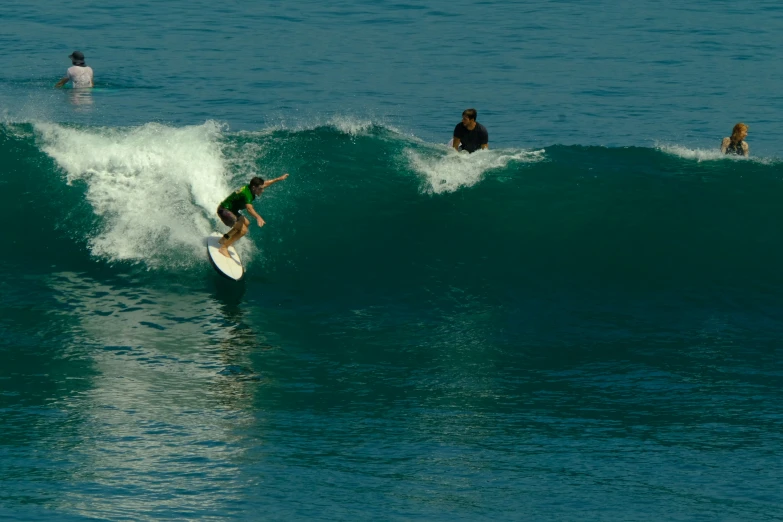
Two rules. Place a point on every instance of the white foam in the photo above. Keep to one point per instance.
(17, 130)
(447, 170)
(711, 155)
(154, 187)
(696, 154)
(351, 125)
(346, 124)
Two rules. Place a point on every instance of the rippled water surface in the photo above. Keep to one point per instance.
(581, 323)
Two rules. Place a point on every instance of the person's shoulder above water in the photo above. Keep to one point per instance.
(727, 147)
(736, 144)
(470, 135)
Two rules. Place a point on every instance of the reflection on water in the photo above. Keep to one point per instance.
(171, 384)
(230, 295)
(81, 99)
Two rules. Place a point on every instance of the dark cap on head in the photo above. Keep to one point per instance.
(77, 57)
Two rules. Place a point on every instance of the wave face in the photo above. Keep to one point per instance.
(544, 311)
(369, 210)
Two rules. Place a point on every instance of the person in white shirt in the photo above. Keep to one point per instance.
(79, 74)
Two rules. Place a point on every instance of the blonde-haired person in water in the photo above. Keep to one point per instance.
(736, 144)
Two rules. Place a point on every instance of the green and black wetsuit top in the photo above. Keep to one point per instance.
(239, 199)
(735, 148)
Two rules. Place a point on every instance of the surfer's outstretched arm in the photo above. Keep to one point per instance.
(281, 178)
(253, 213)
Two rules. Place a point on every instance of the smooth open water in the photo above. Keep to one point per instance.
(582, 323)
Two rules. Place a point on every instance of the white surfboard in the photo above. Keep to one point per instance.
(230, 267)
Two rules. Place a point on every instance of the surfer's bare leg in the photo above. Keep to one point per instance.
(236, 232)
(231, 233)
(232, 220)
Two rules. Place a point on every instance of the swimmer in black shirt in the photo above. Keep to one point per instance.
(469, 134)
(736, 144)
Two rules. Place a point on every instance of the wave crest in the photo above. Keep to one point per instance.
(151, 186)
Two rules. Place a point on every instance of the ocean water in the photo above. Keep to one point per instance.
(583, 322)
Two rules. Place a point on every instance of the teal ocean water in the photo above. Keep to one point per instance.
(583, 322)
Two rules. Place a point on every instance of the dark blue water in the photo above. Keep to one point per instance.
(583, 322)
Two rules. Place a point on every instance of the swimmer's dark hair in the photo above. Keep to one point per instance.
(470, 113)
(256, 182)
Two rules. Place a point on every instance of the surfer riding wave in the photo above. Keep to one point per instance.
(241, 199)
